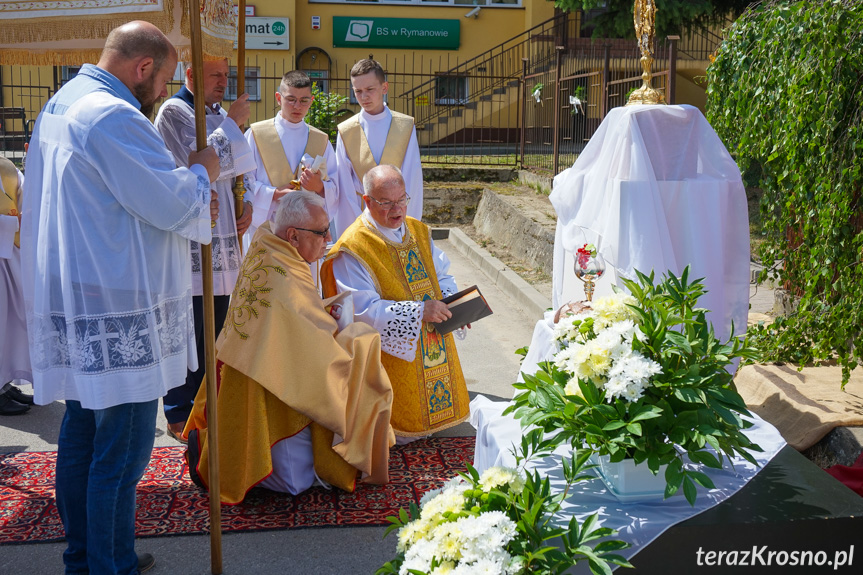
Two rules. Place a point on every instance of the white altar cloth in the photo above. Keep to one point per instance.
(655, 189)
(637, 523)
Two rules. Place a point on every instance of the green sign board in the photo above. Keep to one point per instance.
(364, 32)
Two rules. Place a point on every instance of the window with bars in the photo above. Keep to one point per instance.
(253, 84)
(451, 90)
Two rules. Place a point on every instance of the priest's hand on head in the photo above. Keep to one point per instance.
(312, 181)
(214, 205)
(209, 159)
(240, 110)
(435, 311)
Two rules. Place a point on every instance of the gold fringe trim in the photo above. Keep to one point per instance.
(428, 432)
(84, 27)
(49, 57)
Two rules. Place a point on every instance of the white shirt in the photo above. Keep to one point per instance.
(294, 138)
(176, 123)
(399, 322)
(105, 249)
(350, 204)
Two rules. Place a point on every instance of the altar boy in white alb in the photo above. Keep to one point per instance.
(176, 123)
(376, 136)
(285, 149)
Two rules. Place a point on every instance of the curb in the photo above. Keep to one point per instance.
(526, 297)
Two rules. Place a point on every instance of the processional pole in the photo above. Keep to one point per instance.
(239, 188)
(209, 321)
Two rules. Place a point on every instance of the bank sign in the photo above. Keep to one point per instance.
(422, 33)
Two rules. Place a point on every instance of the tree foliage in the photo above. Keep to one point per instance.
(672, 16)
(324, 111)
(786, 96)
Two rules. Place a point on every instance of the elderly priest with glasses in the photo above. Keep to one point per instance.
(397, 276)
(299, 399)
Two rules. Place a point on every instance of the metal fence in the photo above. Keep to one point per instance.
(481, 111)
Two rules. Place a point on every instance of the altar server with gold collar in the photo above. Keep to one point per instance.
(285, 149)
(398, 277)
(375, 136)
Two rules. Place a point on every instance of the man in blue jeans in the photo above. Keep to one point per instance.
(107, 288)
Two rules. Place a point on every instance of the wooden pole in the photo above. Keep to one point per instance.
(209, 321)
(239, 187)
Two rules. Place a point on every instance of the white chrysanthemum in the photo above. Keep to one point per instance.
(498, 476)
(451, 501)
(445, 568)
(613, 308)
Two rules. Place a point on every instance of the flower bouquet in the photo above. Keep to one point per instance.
(500, 523)
(643, 377)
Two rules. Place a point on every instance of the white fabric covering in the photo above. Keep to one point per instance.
(398, 322)
(350, 204)
(14, 351)
(655, 189)
(293, 464)
(176, 123)
(294, 138)
(638, 523)
(105, 249)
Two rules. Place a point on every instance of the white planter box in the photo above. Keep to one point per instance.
(629, 482)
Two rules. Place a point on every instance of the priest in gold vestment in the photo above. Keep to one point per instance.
(299, 400)
(397, 277)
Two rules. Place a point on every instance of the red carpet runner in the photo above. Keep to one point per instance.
(170, 504)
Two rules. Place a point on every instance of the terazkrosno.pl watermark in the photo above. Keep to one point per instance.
(763, 556)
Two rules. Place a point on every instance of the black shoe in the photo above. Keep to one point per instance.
(9, 406)
(193, 456)
(145, 562)
(19, 396)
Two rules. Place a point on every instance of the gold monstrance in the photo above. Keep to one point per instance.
(644, 15)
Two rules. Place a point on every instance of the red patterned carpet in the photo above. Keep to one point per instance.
(170, 504)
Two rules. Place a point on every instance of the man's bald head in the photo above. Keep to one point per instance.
(142, 58)
(138, 39)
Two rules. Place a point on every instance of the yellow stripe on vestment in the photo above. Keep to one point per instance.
(276, 163)
(357, 145)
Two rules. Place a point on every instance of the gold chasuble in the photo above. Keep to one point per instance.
(284, 365)
(11, 194)
(357, 146)
(430, 393)
(276, 163)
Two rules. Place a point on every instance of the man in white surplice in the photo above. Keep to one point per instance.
(14, 353)
(106, 271)
(275, 175)
(176, 123)
(390, 137)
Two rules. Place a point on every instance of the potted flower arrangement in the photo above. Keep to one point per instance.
(500, 522)
(642, 377)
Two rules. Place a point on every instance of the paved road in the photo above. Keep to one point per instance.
(490, 366)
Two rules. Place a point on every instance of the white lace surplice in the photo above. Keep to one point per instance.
(105, 249)
(350, 204)
(176, 123)
(398, 322)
